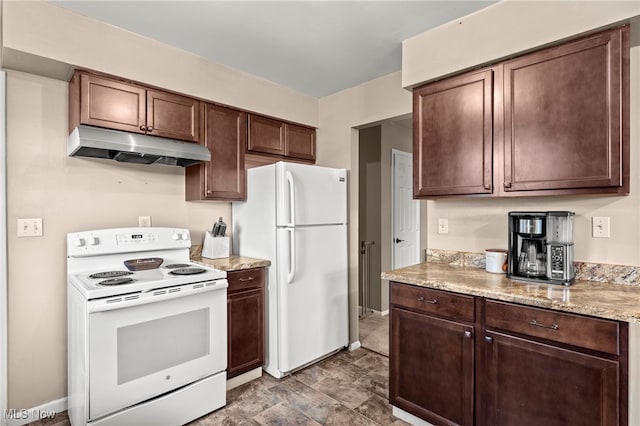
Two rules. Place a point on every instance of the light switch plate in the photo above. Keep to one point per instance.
(600, 227)
(443, 226)
(31, 227)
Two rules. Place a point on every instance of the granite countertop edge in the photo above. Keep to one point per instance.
(232, 263)
(602, 300)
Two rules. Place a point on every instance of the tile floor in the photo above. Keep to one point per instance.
(374, 333)
(349, 388)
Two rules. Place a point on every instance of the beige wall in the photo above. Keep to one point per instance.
(477, 224)
(38, 30)
(501, 30)
(72, 194)
(340, 116)
(524, 25)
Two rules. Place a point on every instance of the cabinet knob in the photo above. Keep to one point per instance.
(143, 127)
(487, 186)
(467, 334)
(149, 129)
(488, 339)
(507, 185)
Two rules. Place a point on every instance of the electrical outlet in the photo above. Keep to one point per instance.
(443, 226)
(600, 227)
(30, 227)
(144, 221)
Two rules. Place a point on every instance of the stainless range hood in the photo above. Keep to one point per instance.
(87, 141)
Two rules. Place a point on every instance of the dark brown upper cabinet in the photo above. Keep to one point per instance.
(275, 137)
(452, 139)
(563, 116)
(551, 122)
(224, 133)
(104, 102)
(300, 142)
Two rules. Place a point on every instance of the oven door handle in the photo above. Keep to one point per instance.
(154, 296)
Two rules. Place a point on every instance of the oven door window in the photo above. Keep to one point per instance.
(143, 351)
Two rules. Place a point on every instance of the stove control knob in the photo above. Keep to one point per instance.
(185, 236)
(177, 236)
(93, 241)
(79, 242)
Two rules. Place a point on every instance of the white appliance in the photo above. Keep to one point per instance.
(147, 329)
(296, 216)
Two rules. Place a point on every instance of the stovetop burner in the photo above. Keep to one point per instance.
(110, 274)
(116, 281)
(178, 265)
(187, 271)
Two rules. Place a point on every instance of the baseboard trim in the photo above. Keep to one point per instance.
(408, 417)
(353, 346)
(243, 378)
(49, 410)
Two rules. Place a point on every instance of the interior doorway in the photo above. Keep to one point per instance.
(376, 146)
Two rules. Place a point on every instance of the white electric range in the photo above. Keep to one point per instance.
(146, 328)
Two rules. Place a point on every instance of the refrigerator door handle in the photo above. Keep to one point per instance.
(292, 199)
(292, 255)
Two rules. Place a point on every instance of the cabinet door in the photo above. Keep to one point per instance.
(266, 135)
(529, 383)
(112, 104)
(563, 109)
(245, 316)
(172, 116)
(453, 136)
(431, 368)
(225, 135)
(300, 142)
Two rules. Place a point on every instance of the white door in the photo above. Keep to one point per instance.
(405, 213)
(312, 293)
(310, 195)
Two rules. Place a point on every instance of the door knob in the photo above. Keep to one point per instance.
(398, 240)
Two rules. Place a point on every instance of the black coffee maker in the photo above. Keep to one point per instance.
(541, 246)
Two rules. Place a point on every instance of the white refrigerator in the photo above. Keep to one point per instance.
(296, 216)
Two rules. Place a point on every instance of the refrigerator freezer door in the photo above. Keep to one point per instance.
(310, 195)
(312, 294)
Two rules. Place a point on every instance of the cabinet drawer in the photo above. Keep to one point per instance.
(431, 301)
(245, 279)
(590, 333)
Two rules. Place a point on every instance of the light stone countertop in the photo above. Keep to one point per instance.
(233, 263)
(602, 300)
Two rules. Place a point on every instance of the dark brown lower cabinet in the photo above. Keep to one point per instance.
(456, 361)
(531, 383)
(431, 367)
(245, 321)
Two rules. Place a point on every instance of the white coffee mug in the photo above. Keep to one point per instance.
(496, 261)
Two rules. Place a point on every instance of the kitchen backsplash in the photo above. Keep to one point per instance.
(599, 272)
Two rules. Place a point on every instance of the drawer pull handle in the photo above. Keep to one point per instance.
(246, 279)
(537, 324)
(432, 301)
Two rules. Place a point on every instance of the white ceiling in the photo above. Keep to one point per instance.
(315, 47)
